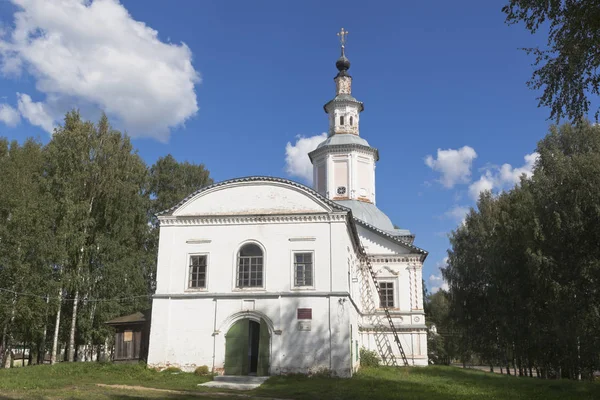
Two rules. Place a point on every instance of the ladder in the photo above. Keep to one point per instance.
(385, 349)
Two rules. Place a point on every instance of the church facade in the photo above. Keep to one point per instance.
(265, 276)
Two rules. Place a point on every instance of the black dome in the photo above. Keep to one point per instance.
(342, 64)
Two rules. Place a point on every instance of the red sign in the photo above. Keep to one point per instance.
(305, 313)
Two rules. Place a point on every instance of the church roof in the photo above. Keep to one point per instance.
(343, 138)
(343, 141)
(342, 98)
(370, 214)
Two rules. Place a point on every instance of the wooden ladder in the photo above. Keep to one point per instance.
(385, 356)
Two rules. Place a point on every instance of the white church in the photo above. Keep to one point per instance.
(265, 276)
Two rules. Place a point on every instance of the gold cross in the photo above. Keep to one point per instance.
(342, 34)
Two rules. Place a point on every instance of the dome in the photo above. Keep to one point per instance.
(370, 214)
(342, 64)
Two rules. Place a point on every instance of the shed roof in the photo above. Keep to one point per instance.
(139, 317)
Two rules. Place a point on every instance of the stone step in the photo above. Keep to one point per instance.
(241, 379)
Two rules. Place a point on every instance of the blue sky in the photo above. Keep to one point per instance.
(231, 83)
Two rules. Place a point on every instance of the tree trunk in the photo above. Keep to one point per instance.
(41, 356)
(501, 370)
(76, 297)
(30, 358)
(7, 356)
(56, 330)
(6, 345)
(71, 351)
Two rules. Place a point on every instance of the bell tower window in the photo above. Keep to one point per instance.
(342, 120)
(351, 121)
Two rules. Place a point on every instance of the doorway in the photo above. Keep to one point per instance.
(254, 338)
(247, 348)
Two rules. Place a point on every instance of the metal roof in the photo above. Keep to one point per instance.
(343, 138)
(135, 318)
(342, 98)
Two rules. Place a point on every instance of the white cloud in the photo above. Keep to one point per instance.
(485, 182)
(9, 115)
(436, 282)
(512, 176)
(457, 213)
(94, 54)
(297, 162)
(504, 177)
(453, 165)
(35, 113)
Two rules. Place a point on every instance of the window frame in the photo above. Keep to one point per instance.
(394, 291)
(293, 269)
(236, 266)
(188, 288)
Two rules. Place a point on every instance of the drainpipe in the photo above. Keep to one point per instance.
(214, 337)
(330, 290)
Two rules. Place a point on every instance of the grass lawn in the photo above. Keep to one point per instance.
(79, 381)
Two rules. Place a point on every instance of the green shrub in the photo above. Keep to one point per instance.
(202, 370)
(368, 358)
(171, 369)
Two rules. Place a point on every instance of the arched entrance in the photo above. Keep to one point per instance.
(247, 348)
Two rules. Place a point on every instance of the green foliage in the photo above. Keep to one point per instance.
(202, 370)
(568, 66)
(369, 358)
(524, 269)
(77, 223)
(171, 369)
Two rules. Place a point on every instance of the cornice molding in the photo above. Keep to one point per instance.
(344, 148)
(413, 259)
(250, 219)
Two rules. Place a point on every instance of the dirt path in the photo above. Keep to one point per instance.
(187, 392)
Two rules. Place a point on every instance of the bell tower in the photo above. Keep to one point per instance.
(344, 164)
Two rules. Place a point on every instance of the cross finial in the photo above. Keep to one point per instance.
(342, 34)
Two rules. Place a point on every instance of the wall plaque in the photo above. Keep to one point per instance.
(127, 336)
(304, 325)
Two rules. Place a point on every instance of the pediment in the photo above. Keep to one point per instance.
(378, 243)
(253, 197)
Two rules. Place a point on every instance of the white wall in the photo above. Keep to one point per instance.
(189, 325)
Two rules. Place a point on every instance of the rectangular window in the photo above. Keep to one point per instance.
(250, 271)
(303, 269)
(197, 278)
(386, 294)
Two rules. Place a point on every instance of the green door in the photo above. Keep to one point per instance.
(263, 350)
(236, 348)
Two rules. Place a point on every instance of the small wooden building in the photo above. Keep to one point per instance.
(132, 334)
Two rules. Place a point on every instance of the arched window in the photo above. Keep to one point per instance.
(250, 266)
(342, 120)
(351, 121)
